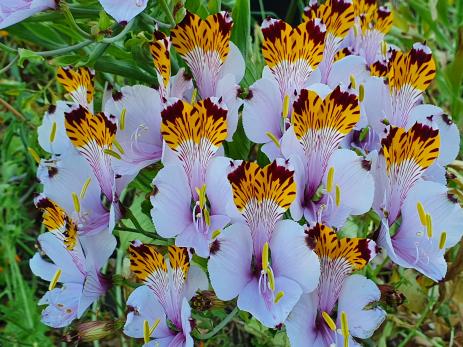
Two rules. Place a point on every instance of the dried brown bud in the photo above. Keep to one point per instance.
(206, 300)
(390, 296)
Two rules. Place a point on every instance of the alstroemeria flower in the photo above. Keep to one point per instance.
(189, 186)
(14, 11)
(169, 86)
(123, 11)
(159, 309)
(431, 224)
(291, 55)
(338, 17)
(263, 259)
(76, 263)
(332, 183)
(311, 322)
(215, 62)
(78, 83)
(405, 157)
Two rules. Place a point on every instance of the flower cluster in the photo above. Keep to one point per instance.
(339, 114)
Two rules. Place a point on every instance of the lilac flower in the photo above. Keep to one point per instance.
(311, 322)
(15, 11)
(332, 183)
(123, 11)
(216, 63)
(189, 186)
(159, 309)
(431, 224)
(262, 259)
(76, 263)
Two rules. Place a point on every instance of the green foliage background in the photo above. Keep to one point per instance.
(82, 34)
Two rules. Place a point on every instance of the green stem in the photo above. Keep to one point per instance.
(7, 49)
(414, 331)
(64, 50)
(220, 326)
(167, 11)
(147, 18)
(121, 34)
(135, 221)
(12, 62)
(262, 9)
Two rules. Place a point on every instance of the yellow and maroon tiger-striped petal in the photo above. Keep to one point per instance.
(383, 19)
(146, 261)
(415, 68)
(326, 244)
(160, 52)
(182, 122)
(179, 259)
(365, 8)
(83, 127)
(342, 53)
(379, 69)
(337, 15)
(339, 111)
(56, 220)
(273, 183)
(76, 82)
(209, 35)
(420, 144)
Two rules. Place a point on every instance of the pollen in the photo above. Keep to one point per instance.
(361, 92)
(329, 321)
(428, 225)
(285, 111)
(329, 180)
(442, 240)
(338, 195)
(75, 200)
(265, 257)
(421, 213)
(55, 279)
(353, 82)
(53, 132)
(384, 48)
(278, 297)
(85, 187)
(216, 233)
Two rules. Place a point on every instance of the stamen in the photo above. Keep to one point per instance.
(352, 81)
(329, 180)
(345, 328)
(278, 297)
(361, 92)
(53, 132)
(285, 111)
(34, 154)
(146, 331)
(443, 239)
(75, 199)
(84, 188)
(207, 216)
(194, 95)
(383, 48)
(338, 195)
(429, 225)
(112, 153)
(421, 213)
(329, 321)
(271, 279)
(265, 257)
(202, 196)
(356, 31)
(55, 280)
(216, 233)
(273, 138)
(122, 119)
(118, 146)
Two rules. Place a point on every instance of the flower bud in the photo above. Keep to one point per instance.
(97, 330)
(206, 300)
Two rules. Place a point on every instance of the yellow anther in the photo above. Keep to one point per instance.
(112, 153)
(201, 195)
(54, 280)
(329, 180)
(265, 257)
(118, 146)
(345, 328)
(271, 279)
(84, 188)
(361, 92)
(383, 48)
(207, 217)
(443, 239)
(34, 154)
(122, 119)
(285, 106)
(155, 325)
(421, 213)
(429, 225)
(338, 195)
(194, 95)
(53, 132)
(75, 199)
(278, 297)
(353, 83)
(329, 321)
(146, 331)
(273, 138)
(216, 233)
(356, 30)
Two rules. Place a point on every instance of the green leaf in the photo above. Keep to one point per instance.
(65, 60)
(25, 54)
(240, 147)
(242, 25)
(104, 22)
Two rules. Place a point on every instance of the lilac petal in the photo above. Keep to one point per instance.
(44, 269)
(251, 300)
(228, 90)
(172, 199)
(186, 325)
(262, 111)
(358, 292)
(218, 188)
(292, 258)
(54, 119)
(377, 103)
(300, 325)
(230, 261)
(181, 85)
(61, 304)
(98, 248)
(342, 70)
(143, 305)
(15, 11)
(271, 150)
(123, 10)
(234, 64)
(196, 280)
